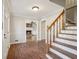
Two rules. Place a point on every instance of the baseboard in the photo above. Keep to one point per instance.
(17, 42)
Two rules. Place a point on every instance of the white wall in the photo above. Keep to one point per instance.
(59, 2)
(18, 29)
(71, 3)
(49, 20)
(71, 14)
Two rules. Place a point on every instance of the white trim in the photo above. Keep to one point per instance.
(40, 30)
(45, 28)
(17, 42)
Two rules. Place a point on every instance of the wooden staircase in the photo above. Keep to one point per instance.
(62, 39)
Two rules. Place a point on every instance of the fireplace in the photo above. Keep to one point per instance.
(29, 34)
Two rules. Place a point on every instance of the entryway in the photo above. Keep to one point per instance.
(31, 31)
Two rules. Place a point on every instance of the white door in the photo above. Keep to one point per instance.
(5, 34)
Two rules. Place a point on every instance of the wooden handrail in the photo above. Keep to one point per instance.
(57, 25)
(56, 20)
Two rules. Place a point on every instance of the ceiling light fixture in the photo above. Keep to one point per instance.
(35, 8)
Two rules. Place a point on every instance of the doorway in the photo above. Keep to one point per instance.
(43, 30)
(31, 31)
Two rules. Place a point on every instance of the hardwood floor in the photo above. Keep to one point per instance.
(29, 50)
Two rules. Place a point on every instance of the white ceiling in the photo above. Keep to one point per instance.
(24, 8)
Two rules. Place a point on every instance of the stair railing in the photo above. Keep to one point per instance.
(56, 26)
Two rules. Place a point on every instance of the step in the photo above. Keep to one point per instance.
(71, 27)
(67, 36)
(67, 45)
(64, 52)
(70, 50)
(59, 54)
(75, 40)
(53, 55)
(72, 32)
(69, 24)
(73, 43)
(48, 56)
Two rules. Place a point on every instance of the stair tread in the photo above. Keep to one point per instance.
(70, 24)
(71, 27)
(64, 52)
(67, 36)
(67, 45)
(54, 56)
(67, 39)
(73, 51)
(62, 56)
(48, 56)
(75, 29)
(71, 32)
(73, 43)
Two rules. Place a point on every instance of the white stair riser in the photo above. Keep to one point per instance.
(59, 54)
(67, 36)
(65, 48)
(67, 42)
(69, 31)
